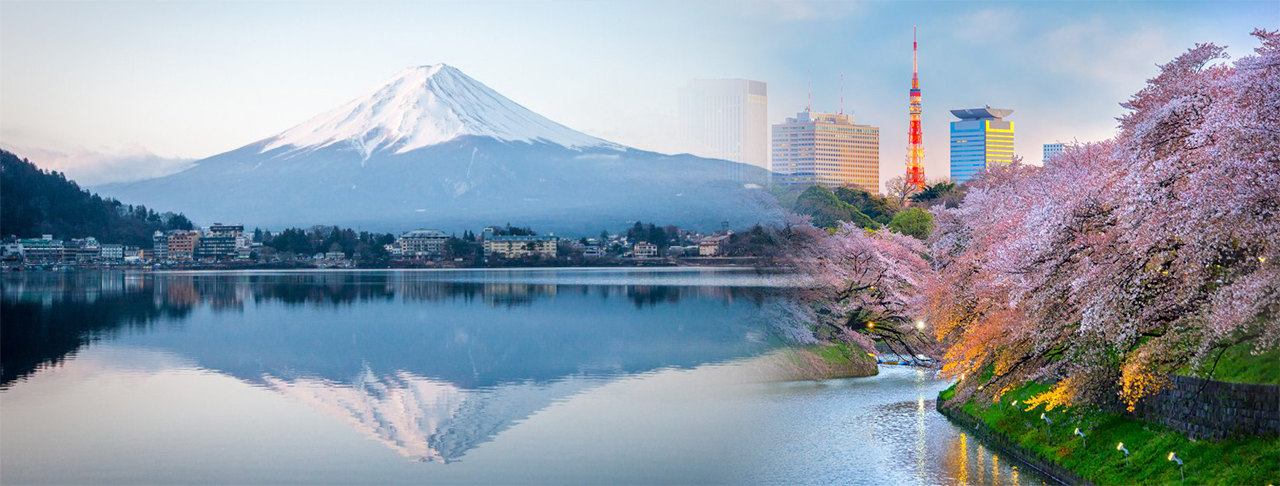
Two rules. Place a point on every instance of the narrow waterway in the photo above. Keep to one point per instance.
(529, 376)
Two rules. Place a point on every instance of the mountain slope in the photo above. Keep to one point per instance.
(35, 202)
(434, 147)
(424, 106)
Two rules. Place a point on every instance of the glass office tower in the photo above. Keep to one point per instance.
(980, 139)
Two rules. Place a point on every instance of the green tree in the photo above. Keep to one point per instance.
(877, 208)
(943, 192)
(35, 202)
(913, 222)
(828, 211)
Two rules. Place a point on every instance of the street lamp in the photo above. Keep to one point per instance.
(1120, 447)
(919, 325)
(1047, 423)
(1083, 441)
(1174, 457)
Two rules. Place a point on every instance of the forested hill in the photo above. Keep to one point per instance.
(35, 202)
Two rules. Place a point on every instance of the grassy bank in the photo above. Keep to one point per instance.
(1096, 458)
(1238, 364)
(817, 362)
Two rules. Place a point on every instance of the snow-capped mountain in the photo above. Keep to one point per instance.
(433, 147)
(424, 106)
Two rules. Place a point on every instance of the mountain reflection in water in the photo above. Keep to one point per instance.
(431, 364)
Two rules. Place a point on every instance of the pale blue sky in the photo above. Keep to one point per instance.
(192, 79)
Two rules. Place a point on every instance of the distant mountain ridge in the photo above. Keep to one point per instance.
(434, 147)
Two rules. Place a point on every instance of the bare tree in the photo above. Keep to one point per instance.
(899, 189)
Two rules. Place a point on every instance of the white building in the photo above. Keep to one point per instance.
(726, 119)
(645, 249)
(1052, 149)
(422, 243)
(11, 250)
(112, 252)
(159, 246)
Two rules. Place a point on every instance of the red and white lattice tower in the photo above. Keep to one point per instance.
(915, 147)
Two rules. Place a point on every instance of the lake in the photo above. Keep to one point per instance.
(470, 376)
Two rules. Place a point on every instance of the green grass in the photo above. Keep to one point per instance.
(1239, 461)
(1239, 365)
(840, 359)
(839, 354)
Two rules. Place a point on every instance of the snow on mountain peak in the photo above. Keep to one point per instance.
(428, 105)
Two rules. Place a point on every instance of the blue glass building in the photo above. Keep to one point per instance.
(980, 139)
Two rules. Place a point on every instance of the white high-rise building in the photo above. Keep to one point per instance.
(726, 119)
(1052, 149)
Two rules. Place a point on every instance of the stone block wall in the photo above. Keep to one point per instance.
(1206, 409)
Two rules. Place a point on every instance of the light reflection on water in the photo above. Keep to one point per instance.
(877, 430)
(562, 376)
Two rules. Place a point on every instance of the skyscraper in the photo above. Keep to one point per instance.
(827, 149)
(980, 139)
(915, 136)
(1052, 149)
(726, 119)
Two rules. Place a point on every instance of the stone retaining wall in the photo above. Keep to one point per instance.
(1206, 409)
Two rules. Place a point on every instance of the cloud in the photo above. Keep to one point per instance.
(90, 168)
(1107, 54)
(987, 26)
(793, 10)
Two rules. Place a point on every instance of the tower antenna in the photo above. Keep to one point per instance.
(915, 138)
(808, 106)
(841, 93)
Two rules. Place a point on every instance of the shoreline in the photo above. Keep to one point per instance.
(1067, 457)
(646, 268)
(656, 264)
(996, 440)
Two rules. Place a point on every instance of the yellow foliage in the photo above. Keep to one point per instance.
(1002, 392)
(1137, 382)
(1061, 394)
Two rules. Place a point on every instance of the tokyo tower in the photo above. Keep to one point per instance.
(915, 150)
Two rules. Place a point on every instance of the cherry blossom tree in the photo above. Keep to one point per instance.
(864, 285)
(1119, 262)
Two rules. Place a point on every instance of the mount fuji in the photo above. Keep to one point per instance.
(433, 147)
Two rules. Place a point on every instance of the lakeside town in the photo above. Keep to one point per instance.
(220, 246)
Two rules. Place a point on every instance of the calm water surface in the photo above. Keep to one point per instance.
(519, 376)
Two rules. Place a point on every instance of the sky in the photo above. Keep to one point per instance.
(115, 91)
